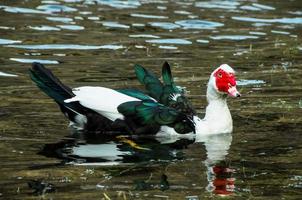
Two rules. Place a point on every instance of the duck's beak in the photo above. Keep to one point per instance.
(233, 92)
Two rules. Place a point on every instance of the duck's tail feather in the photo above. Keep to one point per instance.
(80, 116)
(50, 84)
(55, 89)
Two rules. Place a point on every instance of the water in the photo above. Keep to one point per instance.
(88, 42)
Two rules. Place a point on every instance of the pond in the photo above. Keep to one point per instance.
(97, 43)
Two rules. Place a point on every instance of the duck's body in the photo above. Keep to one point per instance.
(163, 111)
(103, 109)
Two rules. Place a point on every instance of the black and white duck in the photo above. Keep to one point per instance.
(163, 109)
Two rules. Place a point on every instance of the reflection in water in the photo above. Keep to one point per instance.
(115, 150)
(134, 150)
(219, 174)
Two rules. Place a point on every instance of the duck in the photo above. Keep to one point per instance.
(162, 110)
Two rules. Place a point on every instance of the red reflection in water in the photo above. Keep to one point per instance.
(222, 181)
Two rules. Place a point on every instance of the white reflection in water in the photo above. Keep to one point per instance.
(219, 174)
(108, 151)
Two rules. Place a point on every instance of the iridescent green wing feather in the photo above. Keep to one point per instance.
(173, 96)
(150, 81)
(149, 112)
(135, 93)
(168, 93)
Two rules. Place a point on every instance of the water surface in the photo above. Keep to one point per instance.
(87, 42)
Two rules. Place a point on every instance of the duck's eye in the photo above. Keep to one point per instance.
(219, 75)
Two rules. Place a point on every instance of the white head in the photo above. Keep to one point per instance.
(223, 81)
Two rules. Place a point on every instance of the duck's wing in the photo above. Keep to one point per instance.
(149, 112)
(152, 84)
(168, 93)
(136, 94)
(174, 96)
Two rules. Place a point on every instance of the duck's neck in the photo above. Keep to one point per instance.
(218, 118)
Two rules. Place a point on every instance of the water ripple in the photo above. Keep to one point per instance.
(60, 19)
(233, 37)
(244, 82)
(6, 41)
(164, 25)
(21, 10)
(257, 33)
(148, 16)
(115, 25)
(280, 32)
(116, 3)
(264, 7)
(228, 5)
(44, 28)
(296, 20)
(167, 47)
(27, 60)
(198, 24)
(71, 27)
(143, 36)
(169, 41)
(202, 41)
(7, 75)
(56, 8)
(66, 46)
(251, 8)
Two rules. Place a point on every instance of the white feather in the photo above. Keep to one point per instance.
(102, 100)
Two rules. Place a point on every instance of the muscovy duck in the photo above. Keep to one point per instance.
(166, 111)
(100, 109)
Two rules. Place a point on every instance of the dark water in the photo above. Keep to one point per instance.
(97, 43)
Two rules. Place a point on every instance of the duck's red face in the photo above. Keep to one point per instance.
(226, 83)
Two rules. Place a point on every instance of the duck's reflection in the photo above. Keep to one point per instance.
(124, 150)
(115, 150)
(219, 174)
